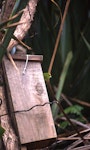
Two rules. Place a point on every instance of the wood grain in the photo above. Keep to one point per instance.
(24, 92)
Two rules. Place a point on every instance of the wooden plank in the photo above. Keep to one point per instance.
(24, 92)
(35, 58)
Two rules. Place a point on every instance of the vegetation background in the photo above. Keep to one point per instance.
(72, 80)
(70, 69)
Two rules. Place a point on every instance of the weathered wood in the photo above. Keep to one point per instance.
(27, 91)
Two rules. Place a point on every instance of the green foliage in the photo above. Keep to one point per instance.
(64, 124)
(74, 109)
(62, 80)
(2, 130)
(85, 41)
(75, 79)
(47, 76)
(77, 21)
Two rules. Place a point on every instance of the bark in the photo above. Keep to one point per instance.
(10, 140)
(7, 9)
(27, 18)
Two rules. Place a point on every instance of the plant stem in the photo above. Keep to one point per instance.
(58, 36)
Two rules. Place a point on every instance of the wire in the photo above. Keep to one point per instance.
(22, 111)
(25, 67)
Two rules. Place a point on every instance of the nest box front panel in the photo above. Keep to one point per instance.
(27, 95)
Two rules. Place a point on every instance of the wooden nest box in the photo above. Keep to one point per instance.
(28, 101)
